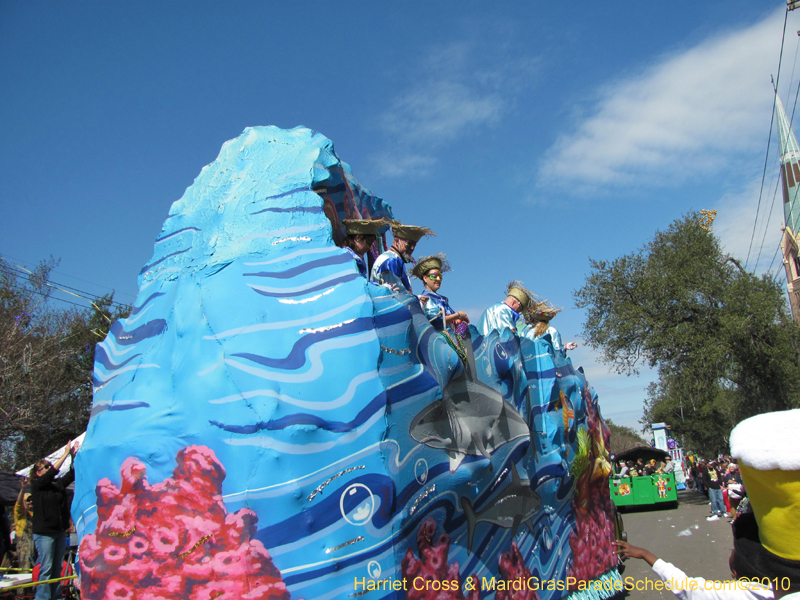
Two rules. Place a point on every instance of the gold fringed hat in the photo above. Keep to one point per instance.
(362, 226)
(412, 233)
(767, 447)
(426, 263)
(541, 311)
(515, 289)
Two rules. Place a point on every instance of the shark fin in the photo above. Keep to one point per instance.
(455, 460)
(515, 480)
(472, 521)
(529, 523)
(515, 525)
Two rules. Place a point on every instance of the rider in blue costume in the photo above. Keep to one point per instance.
(506, 314)
(361, 235)
(429, 269)
(390, 267)
(538, 318)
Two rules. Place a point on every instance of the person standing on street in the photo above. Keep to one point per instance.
(713, 482)
(50, 520)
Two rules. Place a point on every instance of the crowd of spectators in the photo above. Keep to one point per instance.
(719, 480)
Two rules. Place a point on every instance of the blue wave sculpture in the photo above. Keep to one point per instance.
(266, 424)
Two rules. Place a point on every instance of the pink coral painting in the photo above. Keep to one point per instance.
(175, 539)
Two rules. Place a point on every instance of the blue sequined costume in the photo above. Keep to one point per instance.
(360, 264)
(558, 345)
(433, 309)
(498, 317)
(389, 267)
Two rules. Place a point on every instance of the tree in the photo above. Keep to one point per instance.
(721, 338)
(46, 364)
(623, 438)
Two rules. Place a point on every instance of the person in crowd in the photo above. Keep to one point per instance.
(361, 235)
(5, 538)
(713, 483)
(732, 481)
(538, 319)
(669, 466)
(506, 314)
(698, 478)
(682, 584)
(390, 267)
(23, 525)
(50, 520)
(765, 541)
(624, 470)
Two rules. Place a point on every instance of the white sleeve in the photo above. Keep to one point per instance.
(697, 588)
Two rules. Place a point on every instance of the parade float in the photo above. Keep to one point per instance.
(267, 424)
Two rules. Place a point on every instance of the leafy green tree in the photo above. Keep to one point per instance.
(722, 340)
(46, 365)
(623, 438)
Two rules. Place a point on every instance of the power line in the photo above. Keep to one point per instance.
(26, 275)
(2, 255)
(769, 139)
(766, 224)
(773, 259)
(49, 297)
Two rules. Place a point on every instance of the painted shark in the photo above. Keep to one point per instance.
(516, 504)
(470, 418)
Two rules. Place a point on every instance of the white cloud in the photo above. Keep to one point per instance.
(454, 89)
(736, 213)
(398, 163)
(680, 117)
(440, 110)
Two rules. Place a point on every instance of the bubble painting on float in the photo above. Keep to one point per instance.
(269, 424)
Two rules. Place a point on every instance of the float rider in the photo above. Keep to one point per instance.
(361, 235)
(506, 314)
(449, 323)
(389, 267)
(429, 270)
(538, 324)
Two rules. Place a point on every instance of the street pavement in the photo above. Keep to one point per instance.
(704, 553)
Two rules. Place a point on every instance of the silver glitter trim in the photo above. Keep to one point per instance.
(398, 352)
(348, 543)
(339, 474)
(302, 238)
(326, 328)
(421, 497)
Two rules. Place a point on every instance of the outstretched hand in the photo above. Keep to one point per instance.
(626, 550)
(570, 345)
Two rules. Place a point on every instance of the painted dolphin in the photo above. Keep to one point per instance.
(517, 504)
(470, 418)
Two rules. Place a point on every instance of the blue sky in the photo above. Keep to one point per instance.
(530, 136)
